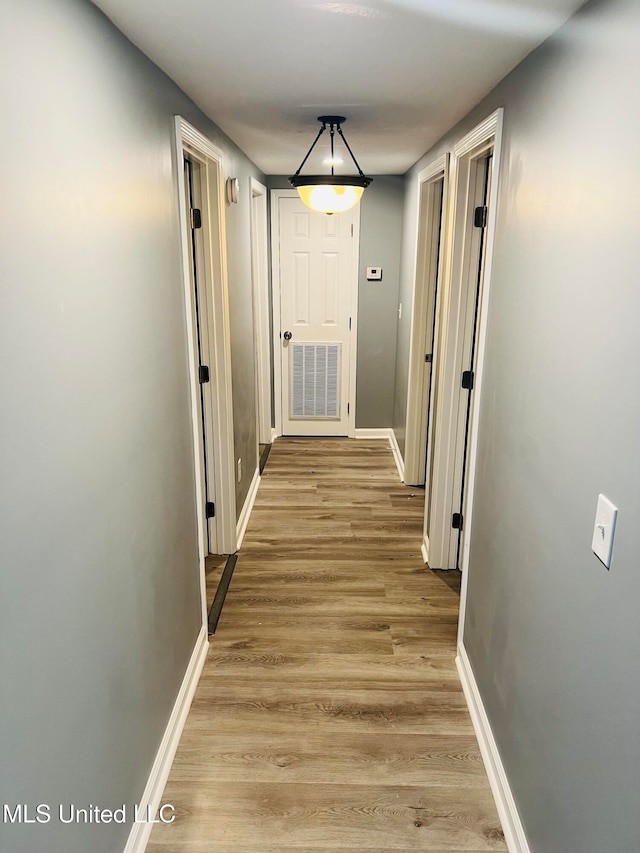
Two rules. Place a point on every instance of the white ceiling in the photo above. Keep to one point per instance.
(402, 71)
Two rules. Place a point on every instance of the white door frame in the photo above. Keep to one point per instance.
(276, 195)
(189, 141)
(260, 288)
(429, 251)
(437, 545)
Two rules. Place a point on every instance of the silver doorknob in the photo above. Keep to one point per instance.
(287, 336)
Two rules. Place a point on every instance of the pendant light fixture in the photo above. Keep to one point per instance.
(330, 193)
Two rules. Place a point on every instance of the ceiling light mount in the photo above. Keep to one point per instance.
(330, 193)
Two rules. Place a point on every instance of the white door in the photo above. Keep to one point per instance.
(480, 191)
(318, 278)
(448, 487)
(200, 308)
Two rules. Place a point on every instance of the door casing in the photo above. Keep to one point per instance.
(219, 410)
(430, 251)
(276, 195)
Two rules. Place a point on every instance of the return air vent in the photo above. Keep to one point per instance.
(315, 381)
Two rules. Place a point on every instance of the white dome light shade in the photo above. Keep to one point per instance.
(330, 199)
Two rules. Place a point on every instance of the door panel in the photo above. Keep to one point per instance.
(480, 186)
(318, 275)
(196, 267)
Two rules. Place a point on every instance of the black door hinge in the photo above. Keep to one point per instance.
(428, 358)
(456, 521)
(467, 379)
(211, 509)
(196, 218)
(203, 374)
(480, 217)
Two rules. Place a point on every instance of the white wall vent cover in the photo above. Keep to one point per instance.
(315, 380)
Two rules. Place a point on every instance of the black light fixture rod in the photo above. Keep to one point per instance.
(332, 158)
(320, 132)
(350, 151)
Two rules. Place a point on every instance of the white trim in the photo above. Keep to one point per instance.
(494, 123)
(416, 440)
(152, 796)
(382, 432)
(274, 434)
(513, 829)
(393, 441)
(424, 548)
(353, 337)
(245, 514)
(260, 291)
(190, 140)
(389, 434)
(451, 341)
(276, 195)
(196, 423)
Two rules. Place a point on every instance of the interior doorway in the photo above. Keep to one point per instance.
(470, 224)
(315, 291)
(423, 356)
(480, 185)
(202, 230)
(192, 174)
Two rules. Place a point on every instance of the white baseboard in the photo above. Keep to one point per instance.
(389, 434)
(383, 432)
(274, 434)
(393, 441)
(245, 515)
(424, 549)
(514, 835)
(150, 801)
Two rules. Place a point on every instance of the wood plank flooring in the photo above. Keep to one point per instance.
(329, 716)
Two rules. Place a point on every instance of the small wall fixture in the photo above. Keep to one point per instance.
(330, 193)
(233, 190)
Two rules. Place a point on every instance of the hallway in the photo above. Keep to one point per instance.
(329, 715)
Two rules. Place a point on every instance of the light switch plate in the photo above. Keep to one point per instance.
(374, 273)
(604, 530)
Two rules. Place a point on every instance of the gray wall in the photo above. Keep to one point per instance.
(238, 222)
(553, 637)
(99, 571)
(380, 232)
(381, 211)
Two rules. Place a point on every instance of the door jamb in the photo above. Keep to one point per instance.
(188, 140)
(260, 287)
(276, 195)
(418, 433)
(487, 134)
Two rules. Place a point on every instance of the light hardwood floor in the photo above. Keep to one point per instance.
(330, 716)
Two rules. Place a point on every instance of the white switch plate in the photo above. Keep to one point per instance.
(604, 530)
(374, 273)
